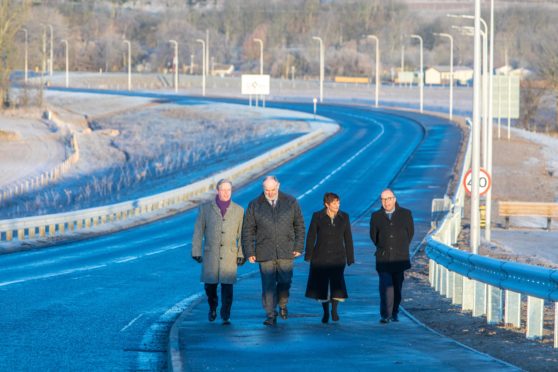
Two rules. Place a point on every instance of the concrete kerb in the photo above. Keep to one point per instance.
(321, 129)
(174, 357)
(415, 320)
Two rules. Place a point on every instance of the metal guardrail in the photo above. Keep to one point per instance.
(33, 183)
(59, 224)
(486, 286)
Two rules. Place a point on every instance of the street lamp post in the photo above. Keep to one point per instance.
(421, 75)
(51, 49)
(175, 64)
(488, 228)
(402, 38)
(475, 198)
(203, 64)
(43, 62)
(485, 93)
(26, 66)
(206, 64)
(319, 39)
(377, 90)
(65, 42)
(477, 33)
(127, 42)
(260, 41)
(451, 72)
(486, 90)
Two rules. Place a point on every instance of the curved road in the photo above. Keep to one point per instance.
(108, 303)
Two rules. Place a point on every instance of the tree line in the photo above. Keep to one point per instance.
(95, 31)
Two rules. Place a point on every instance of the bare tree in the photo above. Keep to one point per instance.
(547, 66)
(12, 14)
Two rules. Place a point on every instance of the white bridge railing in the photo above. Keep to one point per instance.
(486, 286)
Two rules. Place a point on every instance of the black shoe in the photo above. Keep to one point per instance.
(226, 321)
(212, 315)
(284, 312)
(385, 320)
(394, 318)
(270, 321)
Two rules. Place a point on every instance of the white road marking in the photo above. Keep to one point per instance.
(126, 259)
(92, 267)
(51, 275)
(131, 322)
(344, 163)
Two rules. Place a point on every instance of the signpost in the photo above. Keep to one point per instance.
(505, 99)
(255, 85)
(315, 100)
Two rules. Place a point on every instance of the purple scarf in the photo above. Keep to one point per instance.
(223, 205)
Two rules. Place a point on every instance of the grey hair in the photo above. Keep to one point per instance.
(388, 189)
(270, 177)
(222, 181)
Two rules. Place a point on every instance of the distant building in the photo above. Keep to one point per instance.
(440, 75)
(222, 70)
(503, 70)
(522, 72)
(405, 77)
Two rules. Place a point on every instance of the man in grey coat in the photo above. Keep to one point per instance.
(218, 229)
(273, 235)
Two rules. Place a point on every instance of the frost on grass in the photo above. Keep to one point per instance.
(156, 149)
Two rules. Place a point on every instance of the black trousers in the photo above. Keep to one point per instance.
(226, 298)
(390, 292)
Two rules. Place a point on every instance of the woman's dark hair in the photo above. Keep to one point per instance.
(330, 197)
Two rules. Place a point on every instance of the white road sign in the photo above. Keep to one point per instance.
(505, 97)
(484, 181)
(255, 84)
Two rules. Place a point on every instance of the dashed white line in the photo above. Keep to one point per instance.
(344, 163)
(131, 322)
(91, 267)
(65, 272)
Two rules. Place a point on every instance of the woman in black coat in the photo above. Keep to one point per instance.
(329, 247)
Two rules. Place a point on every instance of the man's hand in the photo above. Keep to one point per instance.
(198, 259)
(252, 259)
(296, 254)
(240, 261)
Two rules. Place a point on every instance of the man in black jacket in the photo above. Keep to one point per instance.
(391, 231)
(273, 235)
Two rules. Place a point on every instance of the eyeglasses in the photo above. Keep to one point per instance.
(388, 198)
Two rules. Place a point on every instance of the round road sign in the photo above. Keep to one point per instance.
(484, 181)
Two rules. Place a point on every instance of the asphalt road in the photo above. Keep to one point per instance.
(108, 303)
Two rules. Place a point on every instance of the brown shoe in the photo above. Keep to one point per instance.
(284, 312)
(270, 321)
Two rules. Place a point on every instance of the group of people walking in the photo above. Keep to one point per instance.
(271, 232)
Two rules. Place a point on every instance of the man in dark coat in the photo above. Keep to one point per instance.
(273, 235)
(391, 231)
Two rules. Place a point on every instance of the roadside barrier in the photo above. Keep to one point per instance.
(485, 286)
(43, 179)
(57, 225)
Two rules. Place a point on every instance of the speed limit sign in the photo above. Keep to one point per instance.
(484, 181)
